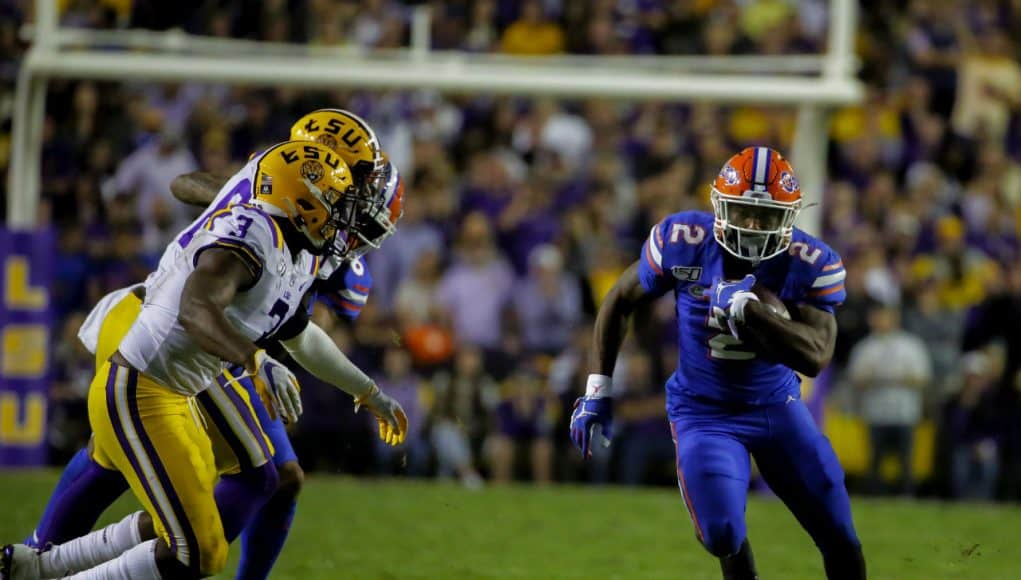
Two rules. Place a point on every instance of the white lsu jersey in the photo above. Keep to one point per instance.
(158, 346)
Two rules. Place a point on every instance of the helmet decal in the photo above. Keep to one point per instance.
(327, 140)
(311, 186)
(730, 175)
(789, 183)
(312, 170)
(756, 199)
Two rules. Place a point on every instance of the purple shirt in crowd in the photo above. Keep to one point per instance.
(547, 321)
(475, 297)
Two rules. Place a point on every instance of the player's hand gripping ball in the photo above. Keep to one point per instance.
(729, 299)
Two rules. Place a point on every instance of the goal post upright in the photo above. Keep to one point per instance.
(808, 152)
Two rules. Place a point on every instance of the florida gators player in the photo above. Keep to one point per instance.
(255, 260)
(735, 392)
(86, 489)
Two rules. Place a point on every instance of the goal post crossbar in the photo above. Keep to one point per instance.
(466, 77)
(813, 84)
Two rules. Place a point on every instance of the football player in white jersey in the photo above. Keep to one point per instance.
(247, 441)
(233, 282)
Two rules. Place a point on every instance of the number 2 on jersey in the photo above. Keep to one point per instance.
(725, 346)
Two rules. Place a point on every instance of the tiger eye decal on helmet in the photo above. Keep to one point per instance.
(311, 186)
(756, 198)
(312, 170)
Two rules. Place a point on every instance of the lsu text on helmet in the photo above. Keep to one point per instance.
(346, 134)
(311, 186)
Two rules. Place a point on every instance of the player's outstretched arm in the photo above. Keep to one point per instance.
(805, 343)
(197, 188)
(314, 350)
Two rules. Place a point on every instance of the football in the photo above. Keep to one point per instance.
(771, 300)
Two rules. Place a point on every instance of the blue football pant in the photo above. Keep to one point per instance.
(793, 456)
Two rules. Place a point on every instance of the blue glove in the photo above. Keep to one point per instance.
(590, 412)
(729, 299)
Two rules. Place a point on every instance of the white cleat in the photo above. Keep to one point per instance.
(19, 562)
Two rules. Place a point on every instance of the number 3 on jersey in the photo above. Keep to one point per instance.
(279, 311)
(723, 345)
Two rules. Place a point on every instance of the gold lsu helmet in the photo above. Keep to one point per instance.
(311, 186)
(346, 134)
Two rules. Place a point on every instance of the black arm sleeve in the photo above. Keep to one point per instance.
(292, 327)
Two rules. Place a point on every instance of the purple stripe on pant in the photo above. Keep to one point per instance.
(122, 438)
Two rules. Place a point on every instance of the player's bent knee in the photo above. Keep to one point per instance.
(292, 478)
(723, 537)
(269, 477)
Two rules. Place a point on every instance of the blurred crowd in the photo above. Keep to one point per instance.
(521, 213)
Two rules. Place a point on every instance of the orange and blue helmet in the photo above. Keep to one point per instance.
(756, 198)
(377, 212)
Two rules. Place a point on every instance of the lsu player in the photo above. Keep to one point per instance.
(237, 280)
(735, 393)
(86, 489)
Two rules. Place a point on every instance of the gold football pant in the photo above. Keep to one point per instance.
(238, 439)
(149, 434)
(153, 437)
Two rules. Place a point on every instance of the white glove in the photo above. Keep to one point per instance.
(737, 304)
(393, 422)
(277, 386)
(734, 315)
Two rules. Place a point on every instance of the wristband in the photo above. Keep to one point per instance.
(598, 386)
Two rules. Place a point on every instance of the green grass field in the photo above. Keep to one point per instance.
(366, 529)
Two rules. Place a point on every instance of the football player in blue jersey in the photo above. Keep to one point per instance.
(85, 489)
(735, 393)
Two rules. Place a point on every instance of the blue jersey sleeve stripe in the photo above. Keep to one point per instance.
(830, 279)
(826, 291)
(352, 296)
(342, 308)
(651, 259)
(349, 306)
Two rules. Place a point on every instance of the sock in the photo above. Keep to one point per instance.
(264, 538)
(84, 491)
(240, 496)
(138, 563)
(91, 549)
(740, 566)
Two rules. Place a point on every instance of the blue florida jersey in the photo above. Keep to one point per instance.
(682, 255)
(346, 289)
